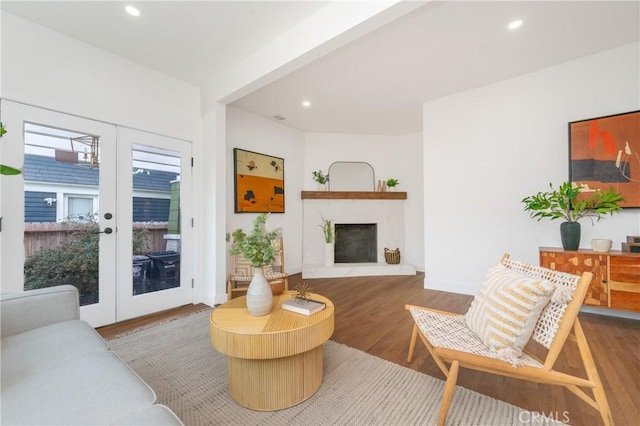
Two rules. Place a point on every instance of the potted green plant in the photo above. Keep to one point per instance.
(570, 203)
(329, 240)
(321, 178)
(6, 170)
(327, 230)
(258, 248)
(392, 183)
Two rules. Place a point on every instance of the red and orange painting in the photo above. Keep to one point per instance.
(605, 152)
(259, 182)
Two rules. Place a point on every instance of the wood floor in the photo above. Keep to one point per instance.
(370, 316)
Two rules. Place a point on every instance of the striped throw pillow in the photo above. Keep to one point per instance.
(505, 311)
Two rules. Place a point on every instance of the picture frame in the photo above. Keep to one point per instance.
(605, 152)
(258, 182)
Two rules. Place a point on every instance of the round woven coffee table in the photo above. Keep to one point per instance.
(275, 361)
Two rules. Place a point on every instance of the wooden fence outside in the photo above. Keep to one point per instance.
(45, 236)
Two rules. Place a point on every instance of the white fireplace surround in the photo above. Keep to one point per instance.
(387, 214)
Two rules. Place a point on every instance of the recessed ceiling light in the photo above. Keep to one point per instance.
(132, 11)
(515, 24)
(306, 104)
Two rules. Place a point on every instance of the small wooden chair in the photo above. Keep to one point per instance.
(242, 273)
(449, 341)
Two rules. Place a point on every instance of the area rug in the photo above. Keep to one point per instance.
(176, 359)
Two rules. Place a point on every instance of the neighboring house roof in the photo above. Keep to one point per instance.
(46, 169)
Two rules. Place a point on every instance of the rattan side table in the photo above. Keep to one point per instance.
(275, 361)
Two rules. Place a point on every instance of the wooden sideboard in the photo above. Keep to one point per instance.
(616, 275)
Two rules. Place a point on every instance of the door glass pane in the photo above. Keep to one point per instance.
(156, 219)
(61, 242)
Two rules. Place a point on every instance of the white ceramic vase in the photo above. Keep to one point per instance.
(259, 294)
(329, 255)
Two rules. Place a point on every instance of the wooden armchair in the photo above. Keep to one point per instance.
(452, 344)
(242, 273)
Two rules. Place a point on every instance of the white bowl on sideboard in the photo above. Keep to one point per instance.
(601, 245)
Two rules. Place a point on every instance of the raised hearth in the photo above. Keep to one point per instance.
(342, 270)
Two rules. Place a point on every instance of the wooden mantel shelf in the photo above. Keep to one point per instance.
(353, 195)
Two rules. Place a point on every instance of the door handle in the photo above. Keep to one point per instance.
(106, 231)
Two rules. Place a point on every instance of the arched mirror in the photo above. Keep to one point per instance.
(351, 176)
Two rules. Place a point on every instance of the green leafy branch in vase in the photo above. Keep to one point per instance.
(257, 246)
(327, 230)
(572, 203)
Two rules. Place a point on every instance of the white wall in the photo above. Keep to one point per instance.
(48, 69)
(211, 219)
(251, 132)
(486, 149)
(412, 181)
(390, 156)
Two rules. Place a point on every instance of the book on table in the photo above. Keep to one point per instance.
(303, 306)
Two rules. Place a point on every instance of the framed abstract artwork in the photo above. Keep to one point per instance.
(258, 183)
(604, 152)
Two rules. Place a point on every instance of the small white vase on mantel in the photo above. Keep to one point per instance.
(259, 294)
(329, 254)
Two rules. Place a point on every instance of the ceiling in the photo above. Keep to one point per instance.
(375, 85)
(190, 40)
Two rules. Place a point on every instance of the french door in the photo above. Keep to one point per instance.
(157, 276)
(97, 204)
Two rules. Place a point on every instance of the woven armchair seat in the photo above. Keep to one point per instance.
(450, 332)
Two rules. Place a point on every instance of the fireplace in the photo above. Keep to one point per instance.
(356, 242)
(382, 213)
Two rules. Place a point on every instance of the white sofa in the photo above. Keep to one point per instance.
(57, 370)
